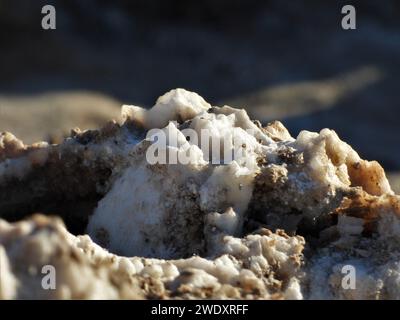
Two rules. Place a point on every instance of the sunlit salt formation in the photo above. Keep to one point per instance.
(213, 227)
(159, 210)
(87, 271)
(176, 104)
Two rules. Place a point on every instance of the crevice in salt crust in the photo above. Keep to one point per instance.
(198, 230)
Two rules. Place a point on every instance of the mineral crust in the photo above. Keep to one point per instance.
(277, 220)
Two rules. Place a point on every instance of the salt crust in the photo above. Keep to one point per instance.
(202, 230)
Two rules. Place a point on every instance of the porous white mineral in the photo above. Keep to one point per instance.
(189, 200)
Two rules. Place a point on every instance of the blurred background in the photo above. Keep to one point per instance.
(285, 60)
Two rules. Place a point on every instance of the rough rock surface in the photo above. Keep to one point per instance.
(277, 220)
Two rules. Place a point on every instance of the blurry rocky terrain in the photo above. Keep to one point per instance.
(283, 60)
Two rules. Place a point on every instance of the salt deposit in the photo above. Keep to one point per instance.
(277, 220)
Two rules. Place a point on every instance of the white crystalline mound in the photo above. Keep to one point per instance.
(87, 271)
(200, 228)
(175, 104)
(150, 202)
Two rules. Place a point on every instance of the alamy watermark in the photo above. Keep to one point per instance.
(349, 278)
(348, 21)
(49, 18)
(49, 279)
(173, 147)
(349, 18)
